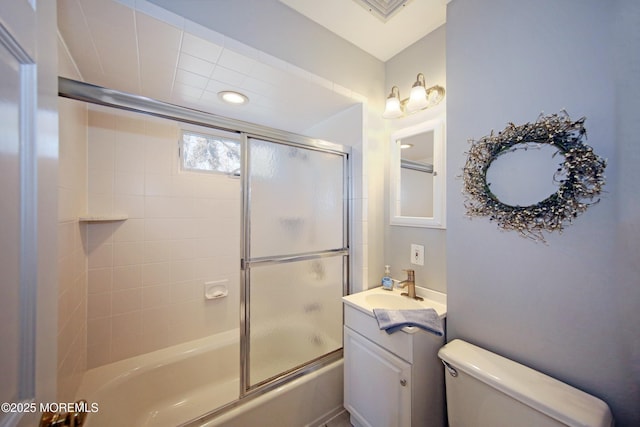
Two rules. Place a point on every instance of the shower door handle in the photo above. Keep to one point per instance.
(279, 259)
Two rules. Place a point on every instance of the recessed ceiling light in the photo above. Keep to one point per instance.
(404, 146)
(231, 97)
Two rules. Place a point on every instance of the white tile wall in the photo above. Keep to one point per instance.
(146, 274)
(72, 261)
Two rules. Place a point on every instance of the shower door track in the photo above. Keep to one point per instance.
(81, 91)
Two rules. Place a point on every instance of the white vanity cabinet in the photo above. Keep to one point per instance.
(376, 384)
(391, 380)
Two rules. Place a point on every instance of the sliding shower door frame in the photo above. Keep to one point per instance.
(85, 92)
(248, 261)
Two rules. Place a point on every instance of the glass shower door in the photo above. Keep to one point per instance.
(295, 260)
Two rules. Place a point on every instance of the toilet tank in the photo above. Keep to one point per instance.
(487, 390)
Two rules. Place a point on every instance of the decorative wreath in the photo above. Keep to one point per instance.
(580, 176)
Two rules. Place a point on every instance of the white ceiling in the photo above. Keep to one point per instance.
(140, 48)
(353, 22)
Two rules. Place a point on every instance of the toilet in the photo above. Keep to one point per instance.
(484, 389)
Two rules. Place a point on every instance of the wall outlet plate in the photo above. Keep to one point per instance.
(417, 254)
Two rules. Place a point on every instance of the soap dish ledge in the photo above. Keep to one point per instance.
(102, 218)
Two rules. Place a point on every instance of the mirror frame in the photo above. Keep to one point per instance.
(439, 179)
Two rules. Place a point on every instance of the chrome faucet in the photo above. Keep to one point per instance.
(410, 284)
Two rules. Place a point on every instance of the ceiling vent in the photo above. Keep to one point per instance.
(383, 9)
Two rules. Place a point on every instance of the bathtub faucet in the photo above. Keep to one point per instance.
(410, 284)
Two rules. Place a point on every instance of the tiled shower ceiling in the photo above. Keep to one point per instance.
(149, 51)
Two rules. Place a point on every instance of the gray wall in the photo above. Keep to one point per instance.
(427, 56)
(571, 308)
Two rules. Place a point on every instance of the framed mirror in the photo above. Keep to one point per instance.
(417, 175)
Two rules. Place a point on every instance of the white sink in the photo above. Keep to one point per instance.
(393, 300)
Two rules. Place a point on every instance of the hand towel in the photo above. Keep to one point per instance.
(394, 320)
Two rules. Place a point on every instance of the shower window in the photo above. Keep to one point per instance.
(209, 153)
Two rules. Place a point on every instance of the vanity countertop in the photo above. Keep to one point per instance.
(378, 297)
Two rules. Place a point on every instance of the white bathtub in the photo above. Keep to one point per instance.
(171, 386)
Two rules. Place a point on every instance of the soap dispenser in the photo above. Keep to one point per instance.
(387, 281)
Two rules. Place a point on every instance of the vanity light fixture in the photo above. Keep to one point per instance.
(232, 97)
(420, 98)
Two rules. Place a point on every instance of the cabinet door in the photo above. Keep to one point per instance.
(377, 388)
